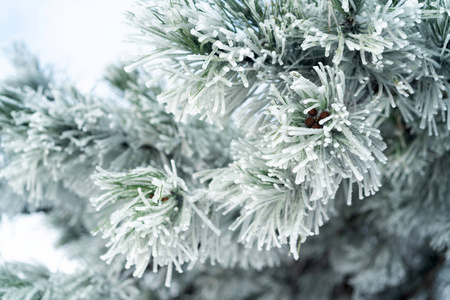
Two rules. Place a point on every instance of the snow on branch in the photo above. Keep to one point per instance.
(150, 217)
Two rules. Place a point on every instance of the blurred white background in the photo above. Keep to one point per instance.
(79, 37)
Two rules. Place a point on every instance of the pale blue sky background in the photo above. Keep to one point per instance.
(79, 37)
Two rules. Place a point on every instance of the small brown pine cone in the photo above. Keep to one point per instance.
(310, 121)
(312, 112)
(324, 115)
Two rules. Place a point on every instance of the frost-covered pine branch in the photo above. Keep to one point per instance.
(287, 183)
(59, 131)
(27, 281)
(218, 53)
(155, 218)
(308, 101)
(319, 82)
(321, 134)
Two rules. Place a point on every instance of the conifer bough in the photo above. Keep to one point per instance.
(274, 112)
